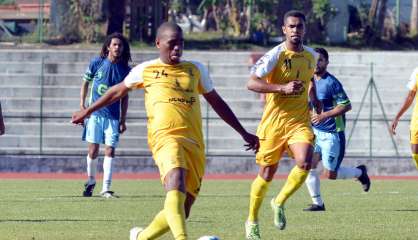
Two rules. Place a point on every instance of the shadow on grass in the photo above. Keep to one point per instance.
(406, 210)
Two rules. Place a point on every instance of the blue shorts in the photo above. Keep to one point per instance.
(331, 147)
(101, 130)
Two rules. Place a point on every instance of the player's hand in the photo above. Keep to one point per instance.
(253, 143)
(122, 127)
(318, 118)
(78, 117)
(293, 87)
(393, 126)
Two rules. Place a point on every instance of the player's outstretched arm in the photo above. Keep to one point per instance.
(223, 110)
(257, 84)
(406, 104)
(113, 94)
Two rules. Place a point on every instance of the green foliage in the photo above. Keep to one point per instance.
(323, 10)
(7, 2)
(55, 210)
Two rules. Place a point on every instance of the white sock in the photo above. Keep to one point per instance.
(91, 169)
(348, 173)
(107, 173)
(314, 187)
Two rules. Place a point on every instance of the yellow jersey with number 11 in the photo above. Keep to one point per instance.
(285, 113)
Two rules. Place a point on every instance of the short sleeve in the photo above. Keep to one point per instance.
(338, 93)
(266, 63)
(91, 70)
(134, 79)
(206, 84)
(412, 83)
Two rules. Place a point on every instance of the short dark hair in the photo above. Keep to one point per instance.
(168, 26)
(294, 13)
(126, 54)
(323, 52)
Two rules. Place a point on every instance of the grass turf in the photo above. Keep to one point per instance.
(54, 209)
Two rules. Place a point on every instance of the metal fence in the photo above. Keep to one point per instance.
(216, 144)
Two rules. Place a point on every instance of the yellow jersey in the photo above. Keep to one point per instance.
(285, 113)
(413, 85)
(172, 99)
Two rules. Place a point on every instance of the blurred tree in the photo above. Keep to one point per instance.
(414, 18)
(115, 16)
(376, 19)
(63, 26)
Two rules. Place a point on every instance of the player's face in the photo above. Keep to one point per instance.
(294, 30)
(115, 48)
(321, 65)
(171, 45)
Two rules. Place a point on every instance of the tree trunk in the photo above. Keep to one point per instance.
(248, 13)
(116, 10)
(414, 18)
(381, 18)
(373, 12)
(63, 27)
(233, 17)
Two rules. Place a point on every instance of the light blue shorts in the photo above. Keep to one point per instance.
(331, 147)
(101, 130)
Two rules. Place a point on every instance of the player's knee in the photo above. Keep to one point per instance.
(267, 172)
(175, 180)
(331, 175)
(110, 152)
(415, 158)
(305, 166)
(93, 154)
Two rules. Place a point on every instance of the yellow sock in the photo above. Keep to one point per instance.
(295, 179)
(415, 157)
(175, 214)
(156, 228)
(258, 192)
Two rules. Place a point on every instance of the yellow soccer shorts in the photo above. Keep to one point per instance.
(176, 153)
(413, 136)
(272, 148)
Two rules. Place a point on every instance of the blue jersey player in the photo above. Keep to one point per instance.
(105, 125)
(328, 128)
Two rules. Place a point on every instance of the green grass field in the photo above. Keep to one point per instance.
(53, 209)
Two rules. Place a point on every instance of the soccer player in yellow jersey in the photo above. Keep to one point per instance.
(172, 89)
(285, 73)
(412, 86)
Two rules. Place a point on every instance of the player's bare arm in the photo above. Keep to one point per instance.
(314, 98)
(337, 111)
(223, 110)
(2, 128)
(124, 109)
(257, 84)
(83, 94)
(112, 95)
(406, 104)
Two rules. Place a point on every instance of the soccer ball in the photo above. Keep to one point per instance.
(209, 238)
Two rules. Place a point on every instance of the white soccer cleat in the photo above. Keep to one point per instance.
(252, 231)
(134, 232)
(108, 194)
